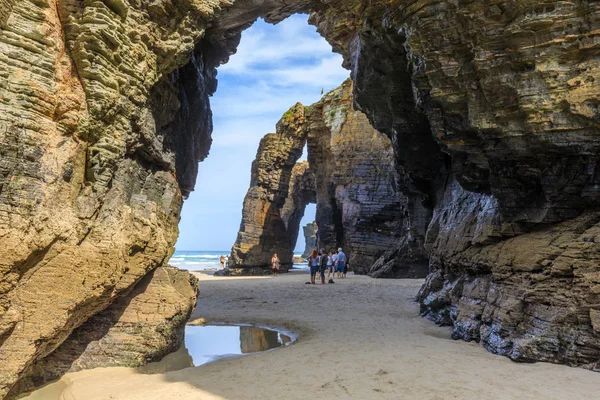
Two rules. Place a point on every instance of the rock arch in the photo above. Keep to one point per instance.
(104, 114)
(351, 175)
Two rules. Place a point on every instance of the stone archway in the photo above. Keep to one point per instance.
(352, 177)
(105, 113)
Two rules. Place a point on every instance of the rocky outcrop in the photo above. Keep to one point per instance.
(141, 327)
(104, 114)
(527, 295)
(91, 181)
(279, 191)
(310, 239)
(353, 181)
(359, 205)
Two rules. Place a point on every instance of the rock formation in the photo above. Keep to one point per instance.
(359, 205)
(143, 326)
(104, 114)
(279, 191)
(352, 178)
(92, 175)
(310, 239)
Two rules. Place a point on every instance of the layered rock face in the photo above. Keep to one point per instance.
(104, 114)
(351, 176)
(91, 176)
(531, 297)
(143, 326)
(359, 205)
(279, 191)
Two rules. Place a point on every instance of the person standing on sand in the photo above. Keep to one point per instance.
(313, 263)
(334, 262)
(330, 272)
(226, 261)
(346, 265)
(275, 265)
(341, 263)
(323, 265)
(222, 260)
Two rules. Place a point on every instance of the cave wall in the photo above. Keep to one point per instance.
(104, 114)
(90, 197)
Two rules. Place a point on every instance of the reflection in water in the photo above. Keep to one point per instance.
(253, 339)
(204, 344)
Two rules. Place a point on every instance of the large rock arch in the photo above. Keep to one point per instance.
(492, 109)
(350, 175)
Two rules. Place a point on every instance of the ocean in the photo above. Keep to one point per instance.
(203, 260)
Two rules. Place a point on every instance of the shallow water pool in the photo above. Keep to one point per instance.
(204, 344)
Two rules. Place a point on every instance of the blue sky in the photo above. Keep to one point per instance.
(275, 67)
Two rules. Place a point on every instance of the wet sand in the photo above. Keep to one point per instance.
(360, 338)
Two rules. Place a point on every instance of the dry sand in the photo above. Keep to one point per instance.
(360, 338)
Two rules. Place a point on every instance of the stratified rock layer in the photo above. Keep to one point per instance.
(143, 326)
(352, 179)
(91, 181)
(531, 296)
(104, 114)
(359, 206)
(279, 191)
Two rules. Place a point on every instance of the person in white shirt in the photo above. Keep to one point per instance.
(331, 272)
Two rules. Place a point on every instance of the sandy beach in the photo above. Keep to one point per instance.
(359, 338)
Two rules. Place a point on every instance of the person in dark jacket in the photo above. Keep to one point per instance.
(322, 265)
(313, 263)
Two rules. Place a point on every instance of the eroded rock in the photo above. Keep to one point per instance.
(352, 178)
(141, 327)
(279, 191)
(104, 114)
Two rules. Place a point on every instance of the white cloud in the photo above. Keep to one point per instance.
(294, 40)
(275, 67)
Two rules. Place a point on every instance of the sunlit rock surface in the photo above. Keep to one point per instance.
(143, 326)
(104, 114)
(351, 176)
(279, 191)
(91, 178)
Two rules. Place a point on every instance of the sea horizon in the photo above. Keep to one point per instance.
(200, 260)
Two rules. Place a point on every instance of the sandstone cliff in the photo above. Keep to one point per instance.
(279, 190)
(143, 326)
(353, 181)
(104, 114)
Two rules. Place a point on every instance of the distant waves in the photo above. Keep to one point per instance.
(204, 260)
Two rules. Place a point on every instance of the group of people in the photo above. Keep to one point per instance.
(333, 262)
